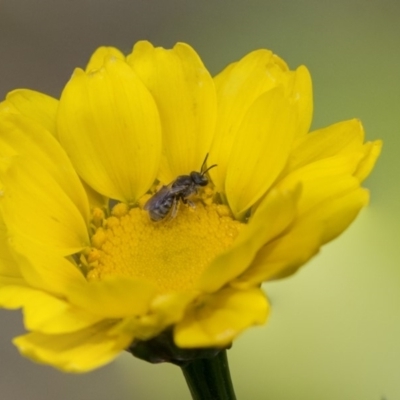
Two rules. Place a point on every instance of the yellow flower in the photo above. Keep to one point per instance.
(80, 254)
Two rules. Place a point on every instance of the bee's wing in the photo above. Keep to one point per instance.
(158, 198)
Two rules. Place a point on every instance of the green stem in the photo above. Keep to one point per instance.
(209, 378)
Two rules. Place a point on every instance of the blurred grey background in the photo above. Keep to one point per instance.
(335, 328)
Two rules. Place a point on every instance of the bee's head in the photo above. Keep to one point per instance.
(199, 178)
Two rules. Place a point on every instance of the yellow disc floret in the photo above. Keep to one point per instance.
(172, 253)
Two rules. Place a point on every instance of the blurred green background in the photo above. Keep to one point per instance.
(335, 328)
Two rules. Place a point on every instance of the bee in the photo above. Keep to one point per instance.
(166, 200)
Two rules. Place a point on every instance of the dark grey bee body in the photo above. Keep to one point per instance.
(161, 203)
(167, 199)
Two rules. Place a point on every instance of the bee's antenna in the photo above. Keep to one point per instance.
(212, 166)
(204, 163)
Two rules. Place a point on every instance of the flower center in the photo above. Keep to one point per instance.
(172, 253)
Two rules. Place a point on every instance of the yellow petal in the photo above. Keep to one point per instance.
(20, 135)
(169, 308)
(301, 92)
(284, 255)
(338, 213)
(11, 280)
(279, 62)
(45, 313)
(35, 105)
(36, 209)
(101, 55)
(95, 198)
(45, 270)
(260, 150)
(109, 125)
(75, 352)
(272, 216)
(114, 297)
(372, 150)
(185, 96)
(9, 269)
(220, 317)
(164, 311)
(341, 138)
(238, 86)
(323, 180)
(329, 217)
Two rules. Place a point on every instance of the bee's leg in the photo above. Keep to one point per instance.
(185, 200)
(175, 207)
(191, 203)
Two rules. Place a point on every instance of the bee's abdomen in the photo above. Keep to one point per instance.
(159, 213)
